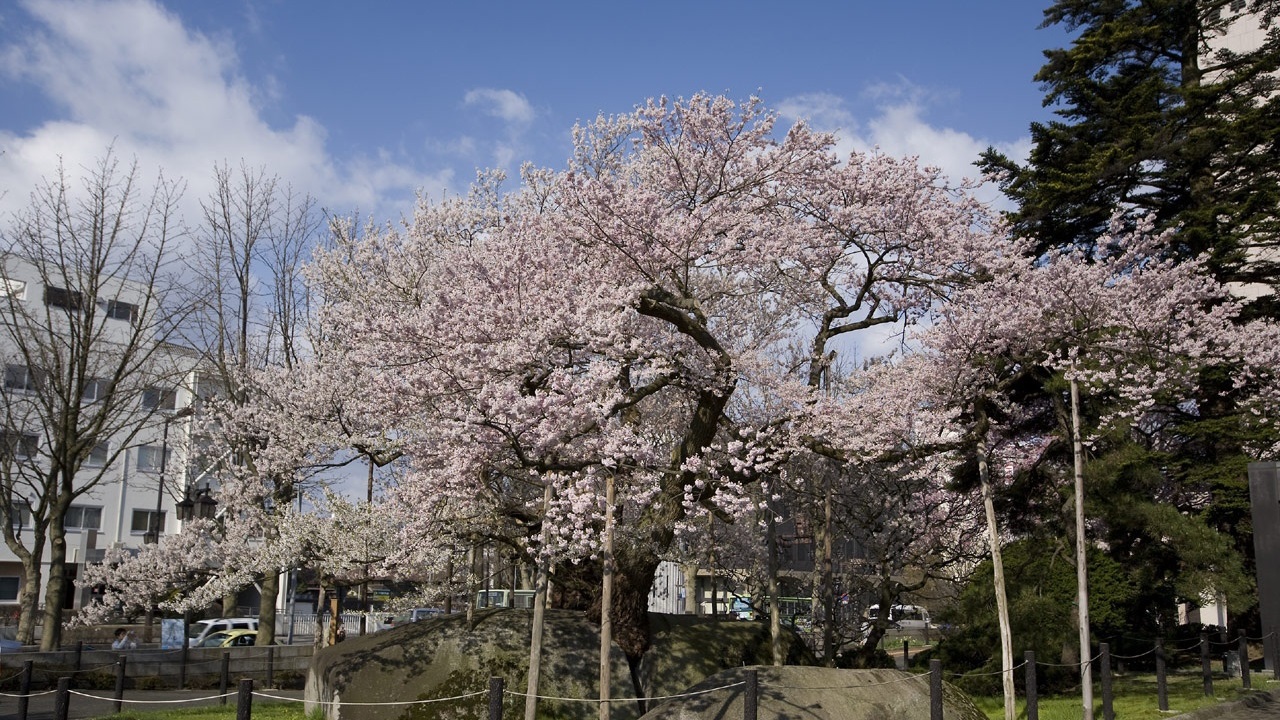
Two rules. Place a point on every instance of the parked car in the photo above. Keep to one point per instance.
(230, 638)
(199, 631)
(903, 617)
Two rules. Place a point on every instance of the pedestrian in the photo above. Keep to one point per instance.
(124, 640)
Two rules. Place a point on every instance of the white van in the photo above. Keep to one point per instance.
(202, 629)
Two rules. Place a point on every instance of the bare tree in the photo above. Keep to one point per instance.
(253, 307)
(85, 329)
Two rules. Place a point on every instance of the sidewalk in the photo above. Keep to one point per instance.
(99, 703)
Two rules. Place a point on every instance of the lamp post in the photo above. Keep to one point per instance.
(153, 533)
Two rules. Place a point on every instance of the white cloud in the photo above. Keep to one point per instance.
(506, 105)
(128, 74)
(897, 126)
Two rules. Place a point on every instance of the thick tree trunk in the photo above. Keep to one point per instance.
(539, 617)
(775, 612)
(606, 603)
(29, 596)
(55, 589)
(267, 609)
(1082, 572)
(997, 569)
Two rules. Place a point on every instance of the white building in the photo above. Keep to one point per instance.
(138, 468)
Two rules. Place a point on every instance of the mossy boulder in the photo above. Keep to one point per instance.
(443, 659)
(813, 693)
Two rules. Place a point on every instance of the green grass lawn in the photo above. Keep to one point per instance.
(1136, 698)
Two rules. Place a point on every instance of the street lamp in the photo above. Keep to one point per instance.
(203, 506)
(152, 535)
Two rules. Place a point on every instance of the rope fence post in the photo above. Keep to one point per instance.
(1162, 681)
(271, 666)
(1275, 653)
(62, 700)
(119, 696)
(935, 689)
(225, 675)
(1243, 650)
(495, 698)
(1108, 712)
(79, 658)
(244, 700)
(1205, 668)
(24, 687)
(1033, 703)
(906, 653)
(750, 696)
(182, 667)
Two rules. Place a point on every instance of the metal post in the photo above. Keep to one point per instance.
(1107, 712)
(225, 675)
(24, 688)
(271, 666)
(750, 696)
(79, 657)
(906, 653)
(495, 698)
(1162, 681)
(1244, 660)
(120, 662)
(62, 700)
(1033, 703)
(1205, 669)
(244, 700)
(935, 690)
(186, 651)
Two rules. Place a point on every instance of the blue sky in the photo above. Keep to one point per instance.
(362, 104)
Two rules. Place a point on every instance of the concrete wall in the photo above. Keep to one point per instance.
(204, 665)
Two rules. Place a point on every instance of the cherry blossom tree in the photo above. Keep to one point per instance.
(662, 311)
(1117, 319)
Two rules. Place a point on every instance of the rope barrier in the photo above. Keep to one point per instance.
(152, 702)
(513, 693)
(372, 704)
(908, 678)
(33, 694)
(1133, 657)
(974, 673)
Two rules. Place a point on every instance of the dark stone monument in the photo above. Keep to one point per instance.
(1264, 497)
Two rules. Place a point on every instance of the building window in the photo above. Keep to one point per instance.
(9, 586)
(151, 460)
(142, 521)
(118, 310)
(82, 517)
(20, 514)
(1237, 5)
(22, 378)
(18, 445)
(159, 399)
(63, 298)
(98, 455)
(94, 390)
(13, 289)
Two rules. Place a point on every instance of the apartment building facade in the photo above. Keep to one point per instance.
(84, 368)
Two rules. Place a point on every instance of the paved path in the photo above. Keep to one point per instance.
(99, 703)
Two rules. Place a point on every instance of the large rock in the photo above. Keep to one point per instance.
(443, 658)
(812, 693)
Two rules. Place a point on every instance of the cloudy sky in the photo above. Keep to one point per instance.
(362, 104)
